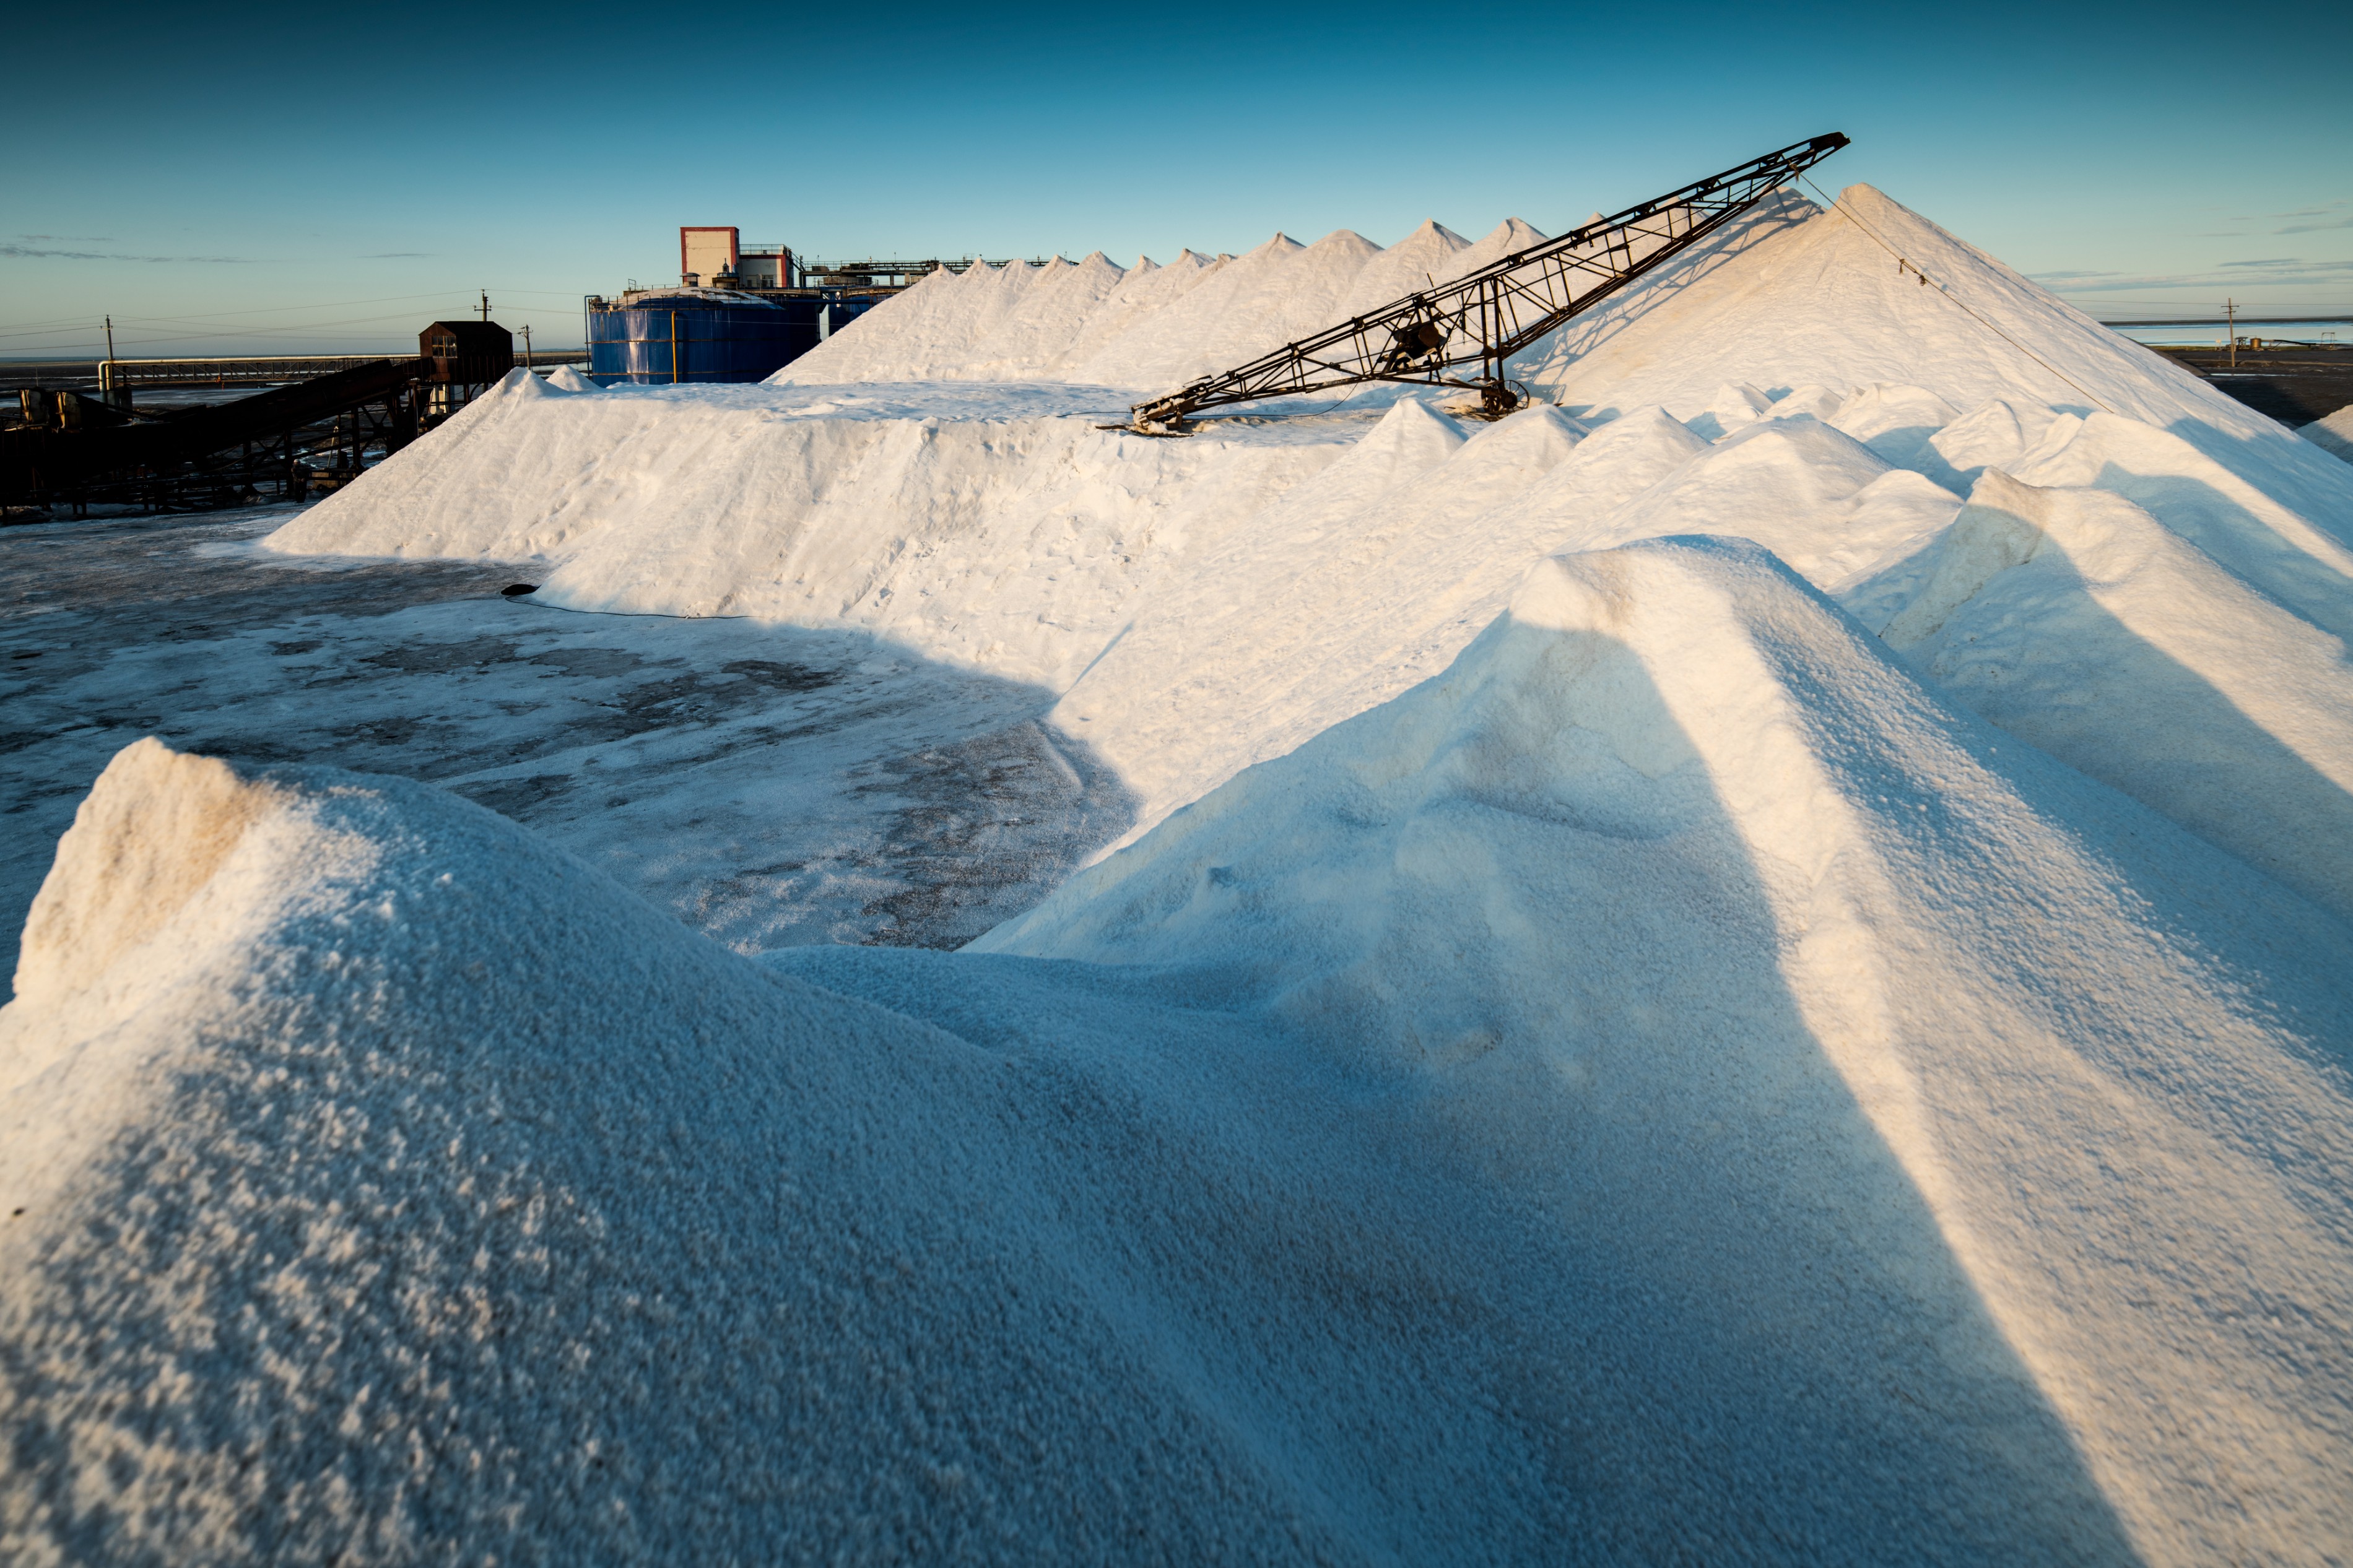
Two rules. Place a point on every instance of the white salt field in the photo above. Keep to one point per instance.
(1748, 962)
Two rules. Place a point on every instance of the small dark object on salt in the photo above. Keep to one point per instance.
(517, 590)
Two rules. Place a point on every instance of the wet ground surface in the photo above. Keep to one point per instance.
(773, 786)
(2295, 387)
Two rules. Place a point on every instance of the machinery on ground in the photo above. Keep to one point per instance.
(1486, 317)
(71, 449)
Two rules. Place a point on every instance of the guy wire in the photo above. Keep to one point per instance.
(1906, 261)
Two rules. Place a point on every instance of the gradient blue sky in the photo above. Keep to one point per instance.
(323, 177)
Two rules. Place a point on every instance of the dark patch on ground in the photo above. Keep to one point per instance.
(1014, 802)
(2295, 387)
(435, 658)
(589, 661)
(516, 797)
(781, 677)
(772, 786)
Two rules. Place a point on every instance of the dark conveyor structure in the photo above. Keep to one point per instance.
(1490, 315)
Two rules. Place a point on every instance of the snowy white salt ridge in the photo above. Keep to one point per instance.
(1748, 961)
(2334, 434)
(1148, 326)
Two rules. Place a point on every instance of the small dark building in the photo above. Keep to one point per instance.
(466, 352)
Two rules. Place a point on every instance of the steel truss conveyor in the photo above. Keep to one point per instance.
(1488, 316)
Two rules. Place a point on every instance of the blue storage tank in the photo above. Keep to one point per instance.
(699, 335)
(841, 311)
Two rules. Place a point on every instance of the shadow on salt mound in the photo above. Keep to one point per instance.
(2032, 988)
(417, 1091)
(2299, 557)
(1896, 422)
(667, 1228)
(1730, 407)
(1995, 434)
(1616, 462)
(2076, 621)
(1816, 497)
(1517, 886)
(1812, 398)
(518, 383)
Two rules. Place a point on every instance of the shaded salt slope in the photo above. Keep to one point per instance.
(1673, 862)
(389, 1187)
(2074, 620)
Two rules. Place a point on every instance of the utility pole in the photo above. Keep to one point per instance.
(526, 346)
(486, 304)
(2231, 314)
(119, 396)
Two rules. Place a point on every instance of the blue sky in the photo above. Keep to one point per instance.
(310, 178)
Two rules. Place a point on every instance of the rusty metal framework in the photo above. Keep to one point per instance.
(75, 450)
(1490, 315)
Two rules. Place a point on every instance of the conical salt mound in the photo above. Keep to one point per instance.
(1790, 294)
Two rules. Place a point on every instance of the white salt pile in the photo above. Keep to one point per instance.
(2334, 434)
(387, 1181)
(1748, 962)
(1145, 326)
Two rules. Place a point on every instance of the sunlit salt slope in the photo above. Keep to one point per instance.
(1671, 1088)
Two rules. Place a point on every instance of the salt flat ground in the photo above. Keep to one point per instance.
(770, 785)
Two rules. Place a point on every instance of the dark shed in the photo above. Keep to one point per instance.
(467, 351)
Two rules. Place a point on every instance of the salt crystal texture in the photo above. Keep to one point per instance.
(1747, 962)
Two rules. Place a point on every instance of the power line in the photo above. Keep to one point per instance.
(19, 329)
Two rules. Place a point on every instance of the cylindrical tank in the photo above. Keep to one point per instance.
(840, 312)
(698, 335)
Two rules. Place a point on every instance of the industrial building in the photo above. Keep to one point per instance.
(739, 311)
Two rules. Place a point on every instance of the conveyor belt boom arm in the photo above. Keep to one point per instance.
(1488, 316)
